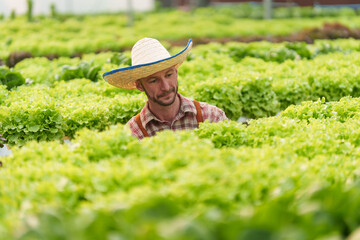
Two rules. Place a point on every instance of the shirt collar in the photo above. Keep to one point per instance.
(186, 105)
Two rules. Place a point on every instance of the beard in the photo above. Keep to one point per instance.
(156, 99)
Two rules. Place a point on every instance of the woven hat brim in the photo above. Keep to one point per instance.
(126, 77)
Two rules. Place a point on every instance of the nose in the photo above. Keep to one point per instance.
(165, 85)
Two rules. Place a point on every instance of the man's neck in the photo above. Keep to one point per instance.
(165, 113)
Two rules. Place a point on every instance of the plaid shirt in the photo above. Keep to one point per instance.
(185, 119)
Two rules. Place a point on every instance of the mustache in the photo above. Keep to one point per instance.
(166, 93)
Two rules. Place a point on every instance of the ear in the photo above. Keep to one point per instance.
(139, 85)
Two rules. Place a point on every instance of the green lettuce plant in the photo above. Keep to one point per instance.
(10, 78)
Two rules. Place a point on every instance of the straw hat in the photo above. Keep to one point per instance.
(148, 56)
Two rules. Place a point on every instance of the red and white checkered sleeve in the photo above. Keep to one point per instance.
(134, 127)
(212, 113)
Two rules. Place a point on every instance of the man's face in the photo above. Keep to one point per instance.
(161, 87)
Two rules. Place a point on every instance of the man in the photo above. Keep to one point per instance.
(154, 71)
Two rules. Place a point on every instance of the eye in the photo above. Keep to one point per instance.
(152, 81)
(169, 74)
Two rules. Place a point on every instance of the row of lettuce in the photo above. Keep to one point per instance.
(293, 176)
(53, 38)
(48, 108)
(45, 71)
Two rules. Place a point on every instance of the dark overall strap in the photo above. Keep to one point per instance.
(138, 121)
(199, 116)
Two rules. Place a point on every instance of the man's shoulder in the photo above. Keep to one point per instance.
(132, 121)
(191, 102)
(132, 124)
(209, 111)
(134, 127)
(212, 113)
(205, 105)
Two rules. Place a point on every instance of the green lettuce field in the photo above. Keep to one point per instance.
(290, 173)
